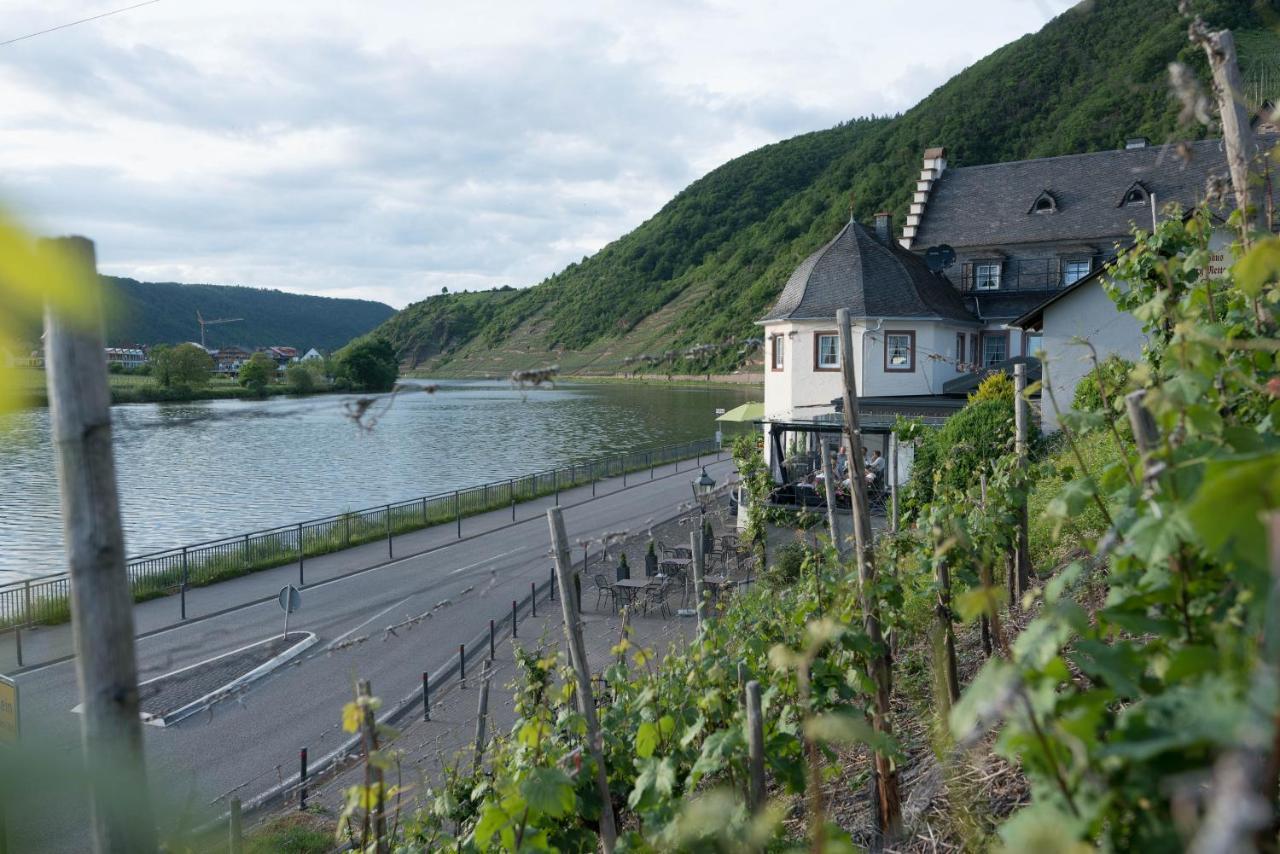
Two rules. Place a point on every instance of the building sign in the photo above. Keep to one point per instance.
(8, 711)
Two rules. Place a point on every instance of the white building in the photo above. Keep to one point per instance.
(995, 263)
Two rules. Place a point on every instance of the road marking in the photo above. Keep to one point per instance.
(490, 559)
(340, 638)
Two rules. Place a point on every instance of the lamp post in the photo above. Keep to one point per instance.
(703, 485)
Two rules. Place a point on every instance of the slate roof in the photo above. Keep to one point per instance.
(988, 205)
(967, 383)
(858, 272)
(1001, 306)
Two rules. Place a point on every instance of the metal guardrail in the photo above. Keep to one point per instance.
(46, 599)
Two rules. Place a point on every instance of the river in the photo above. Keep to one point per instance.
(196, 471)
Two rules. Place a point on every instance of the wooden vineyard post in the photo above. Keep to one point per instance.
(482, 711)
(1237, 131)
(578, 658)
(893, 483)
(984, 573)
(755, 747)
(950, 678)
(1145, 432)
(888, 800)
(372, 772)
(828, 481)
(236, 832)
(1021, 417)
(101, 601)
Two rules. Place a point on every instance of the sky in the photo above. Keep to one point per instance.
(387, 149)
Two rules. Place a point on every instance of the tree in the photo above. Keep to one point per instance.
(369, 363)
(257, 373)
(302, 377)
(185, 366)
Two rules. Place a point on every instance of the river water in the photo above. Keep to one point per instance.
(197, 471)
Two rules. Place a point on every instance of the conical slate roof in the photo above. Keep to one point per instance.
(871, 279)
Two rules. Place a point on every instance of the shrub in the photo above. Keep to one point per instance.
(787, 564)
(185, 366)
(257, 373)
(972, 438)
(1115, 377)
(997, 386)
(299, 377)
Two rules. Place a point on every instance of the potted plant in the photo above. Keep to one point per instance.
(624, 569)
(651, 560)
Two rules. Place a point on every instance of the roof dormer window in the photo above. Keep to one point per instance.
(1136, 195)
(1045, 203)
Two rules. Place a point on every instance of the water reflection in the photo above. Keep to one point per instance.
(195, 471)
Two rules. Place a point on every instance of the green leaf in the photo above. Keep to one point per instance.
(1259, 266)
(646, 740)
(973, 603)
(1119, 665)
(549, 791)
(1045, 829)
(657, 780)
(843, 728)
(492, 818)
(1227, 509)
(986, 700)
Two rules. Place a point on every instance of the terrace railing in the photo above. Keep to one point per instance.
(46, 599)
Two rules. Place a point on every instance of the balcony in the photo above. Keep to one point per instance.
(1026, 274)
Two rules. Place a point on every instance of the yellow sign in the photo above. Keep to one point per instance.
(8, 711)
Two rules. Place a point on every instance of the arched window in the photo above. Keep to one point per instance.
(1136, 195)
(1045, 203)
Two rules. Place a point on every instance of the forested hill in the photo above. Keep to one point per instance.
(156, 313)
(714, 258)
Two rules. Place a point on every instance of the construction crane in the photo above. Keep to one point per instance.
(203, 323)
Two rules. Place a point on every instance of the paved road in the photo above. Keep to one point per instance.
(250, 743)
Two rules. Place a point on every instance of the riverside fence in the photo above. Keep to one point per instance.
(45, 599)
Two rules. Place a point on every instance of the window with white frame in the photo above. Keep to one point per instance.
(826, 351)
(1074, 271)
(1032, 343)
(899, 351)
(986, 276)
(959, 351)
(777, 343)
(995, 348)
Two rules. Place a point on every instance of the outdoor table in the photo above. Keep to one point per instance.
(631, 587)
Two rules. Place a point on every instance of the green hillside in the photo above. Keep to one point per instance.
(713, 259)
(156, 313)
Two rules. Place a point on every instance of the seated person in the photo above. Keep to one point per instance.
(875, 468)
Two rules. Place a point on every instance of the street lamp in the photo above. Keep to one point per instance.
(703, 486)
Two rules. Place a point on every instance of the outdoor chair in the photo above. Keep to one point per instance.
(656, 594)
(604, 588)
(680, 552)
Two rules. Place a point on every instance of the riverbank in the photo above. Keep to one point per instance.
(130, 388)
(734, 381)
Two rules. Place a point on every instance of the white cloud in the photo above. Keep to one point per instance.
(389, 149)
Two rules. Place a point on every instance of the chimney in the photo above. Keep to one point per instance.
(935, 163)
(1136, 142)
(884, 227)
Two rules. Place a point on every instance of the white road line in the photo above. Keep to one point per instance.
(489, 559)
(351, 632)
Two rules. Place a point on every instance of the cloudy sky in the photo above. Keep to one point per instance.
(386, 148)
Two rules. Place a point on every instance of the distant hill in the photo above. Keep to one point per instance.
(710, 262)
(165, 313)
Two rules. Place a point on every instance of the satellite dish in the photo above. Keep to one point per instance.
(939, 257)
